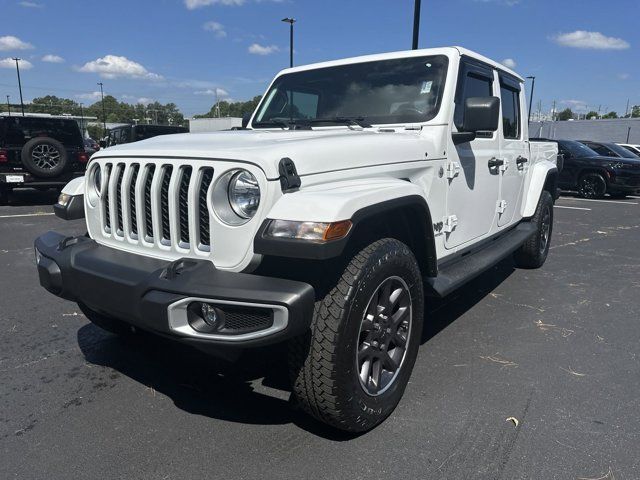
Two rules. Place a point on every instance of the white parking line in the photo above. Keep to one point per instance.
(27, 215)
(572, 208)
(602, 201)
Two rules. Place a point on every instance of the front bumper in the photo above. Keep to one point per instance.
(153, 294)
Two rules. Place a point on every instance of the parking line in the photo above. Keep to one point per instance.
(602, 201)
(27, 215)
(572, 208)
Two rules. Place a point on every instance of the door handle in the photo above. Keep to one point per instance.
(495, 162)
(520, 160)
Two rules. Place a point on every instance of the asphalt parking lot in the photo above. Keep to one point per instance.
(555, 348)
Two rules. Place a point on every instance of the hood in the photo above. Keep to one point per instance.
(313, 151)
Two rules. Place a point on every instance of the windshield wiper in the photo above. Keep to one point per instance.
(272, 123)
(359, 121)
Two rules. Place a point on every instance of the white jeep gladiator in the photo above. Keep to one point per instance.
(357, 188)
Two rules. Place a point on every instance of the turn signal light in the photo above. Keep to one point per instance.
(83, 157)
(4, 156)
(310, 231)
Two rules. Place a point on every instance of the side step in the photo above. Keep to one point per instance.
(454, 275)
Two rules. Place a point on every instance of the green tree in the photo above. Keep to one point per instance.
(635, 111)
(565, 114)
(232, 109)
(611, 115)
(591, 115)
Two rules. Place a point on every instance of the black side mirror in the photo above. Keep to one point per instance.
(245, 120)
(481, 114)
(103, 143)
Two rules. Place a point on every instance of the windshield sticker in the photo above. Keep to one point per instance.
(426, 87)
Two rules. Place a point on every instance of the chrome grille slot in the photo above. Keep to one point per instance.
(183, 205)
(119, 223)
(106, 216)
(148, 218)
(203, 209)
(133, 216)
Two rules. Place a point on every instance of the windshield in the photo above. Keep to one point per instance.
(577, 149)
(404, 90)
(623, 152)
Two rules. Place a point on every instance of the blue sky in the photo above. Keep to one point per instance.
(584, 53)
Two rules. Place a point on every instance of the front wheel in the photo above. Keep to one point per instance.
(533, 253)
(592, 185)
(351, 368)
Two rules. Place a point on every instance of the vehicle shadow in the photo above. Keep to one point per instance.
(256, 388)
(30, 197)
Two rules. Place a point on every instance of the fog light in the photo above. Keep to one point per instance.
(64, 199)
(210, 315)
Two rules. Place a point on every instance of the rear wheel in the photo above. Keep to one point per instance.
(592, 185)
(533, 253)
(351, 369)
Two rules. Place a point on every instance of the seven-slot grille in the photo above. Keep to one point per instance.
(150, 203)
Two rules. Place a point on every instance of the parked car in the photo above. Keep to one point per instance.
(635, 149)
(135, 133)
(91, 146)
(593, 175)
(357, 185)
(609, 149)
(40, 152)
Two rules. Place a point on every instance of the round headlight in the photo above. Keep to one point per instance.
(244, 194)
(97, 179)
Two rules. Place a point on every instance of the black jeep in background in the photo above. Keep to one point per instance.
(39, 152)
(135, 133)
(593, 175)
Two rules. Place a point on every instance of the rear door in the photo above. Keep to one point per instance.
(472, 193)
(514, 151)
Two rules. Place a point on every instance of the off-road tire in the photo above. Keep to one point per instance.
(592, 185)
(325, 378)
(29, 162)
(110, 324)
(533, 253)
(4, 195)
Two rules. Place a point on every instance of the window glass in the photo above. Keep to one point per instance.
(19, 130)
(404, 90)
(510, 101)
(474, 86)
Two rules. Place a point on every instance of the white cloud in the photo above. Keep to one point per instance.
(193, 4)
(221, 92)
(215, 27)
(509, 63)
(113, 66)
(590, 40)
(53, 59)
(508, 3)
(9, 42)
(89, 96)
(624, 76)
(11, 63)
(578, 105)
(144, 100)
(30, 4)
(258, 49)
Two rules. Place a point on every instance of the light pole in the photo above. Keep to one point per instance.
(416, 25)
(533, 84)
(8, 106)
(19, 83)
(290, 21)
(104, 115)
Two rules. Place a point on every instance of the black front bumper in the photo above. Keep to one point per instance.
(139, 290)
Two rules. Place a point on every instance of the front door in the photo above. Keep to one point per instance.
(472, 193)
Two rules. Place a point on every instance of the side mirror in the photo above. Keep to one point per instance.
(481, 114)
(103, 143)
(245, 120)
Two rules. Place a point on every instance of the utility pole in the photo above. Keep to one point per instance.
(8, 106)
(19, 83)
(104, 115)
(416, 24)
(82, 119)
(290, 21)
(553, 112)
(626, 110)
(628, 133)
(533, 84)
